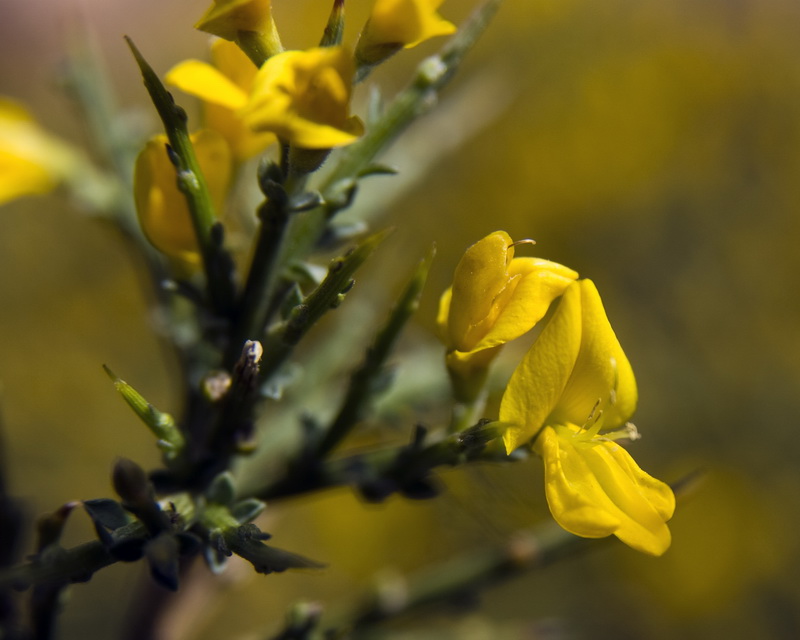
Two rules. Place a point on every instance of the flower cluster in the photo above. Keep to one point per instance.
(571, 395)
(255, 93)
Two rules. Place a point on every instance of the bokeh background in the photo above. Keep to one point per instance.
(653, 146)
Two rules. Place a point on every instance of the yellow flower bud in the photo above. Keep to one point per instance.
(495, 298)
(161, 207)
(571, 390)
(397, 24)
(304, 98)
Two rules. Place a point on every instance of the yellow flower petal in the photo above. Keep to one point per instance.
(202, 80)
(225, 18)
(31, 160)
(577, 374)
(233, 63)
(539, 283)
(602, 373)
(161, 207)
(595, 489)
(574, 368)
(224, 88)
(394, 24)
(495, 298)
(304, 98)
(538, 382)
(480, 276)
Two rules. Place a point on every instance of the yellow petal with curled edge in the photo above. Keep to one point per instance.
(405, 22)
(233, 63)
(304, 98)
(575, 369)
(537, 283)
(539, 380)
(200, 79)
(602, 379)
(162, 209)
(595, 489)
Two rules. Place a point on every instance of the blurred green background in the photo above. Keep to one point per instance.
(653, 146)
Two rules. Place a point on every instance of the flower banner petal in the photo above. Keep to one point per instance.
(539, 283)
(479, 277)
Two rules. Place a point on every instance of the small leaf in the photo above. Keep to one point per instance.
(334, 30)
(131, 483)
(306, 201)
(215, 559)
(188, 543)
(222, 489)
(248, 510)
(170, 438)
(377, 169)
(128, 550)
(293, 297)
(162, 555)
(107, 513)
(246, 541)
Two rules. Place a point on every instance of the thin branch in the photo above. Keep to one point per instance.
(363, 381)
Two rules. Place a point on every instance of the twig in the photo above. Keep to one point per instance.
(217, 264)
(431, 77)
(363, 381)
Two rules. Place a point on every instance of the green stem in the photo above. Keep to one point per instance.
(328, 295)
(362, 382)
(467, 413)
(430, 78)
(216, 262)
(74, 565)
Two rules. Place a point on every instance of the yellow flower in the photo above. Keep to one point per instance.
(162, 209)
(495, 298)
(304, 98)
(31, 160)
(223, 86)
(574, 382)
(395, 24)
